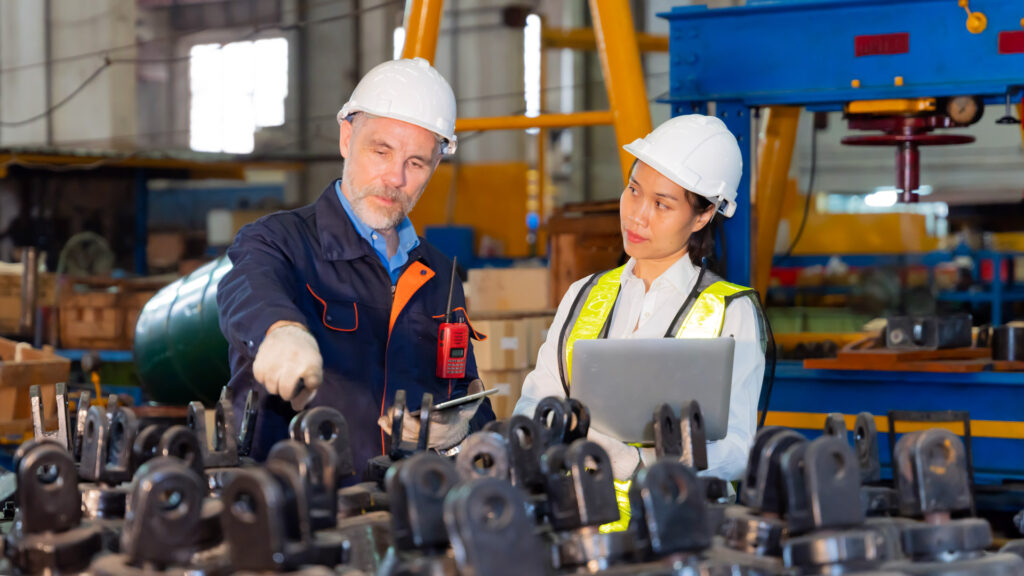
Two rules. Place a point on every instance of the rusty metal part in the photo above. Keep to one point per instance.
(670, 510)
(417, 487)
(490, 531)
(247, 430)
(763, 486)
(81, 413)
(933, 484)
(107, 445)
(694, 437)
(932, 470)
(668, 442)
(928, 332)
(62, 435)
(224, 451)
(181, 443)
(580, 486)
(316, 475)
(1008, 343)
(825, 516)
(525, 448)
(329, 426)
(362, 498)
(483, 454)
(835, 425)
(145, 446)
(50, 538)
(163, 528)
(266, 522)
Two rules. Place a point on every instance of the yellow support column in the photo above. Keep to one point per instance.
(623, 73)
(775, 154)
(422, 23)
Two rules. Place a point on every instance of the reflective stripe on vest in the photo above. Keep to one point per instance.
(593, 314)
(704, 320)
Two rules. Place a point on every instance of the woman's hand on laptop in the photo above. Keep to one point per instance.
(625, 458)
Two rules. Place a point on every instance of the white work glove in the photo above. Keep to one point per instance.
(289, 354)
(625, 458)
(448, 428)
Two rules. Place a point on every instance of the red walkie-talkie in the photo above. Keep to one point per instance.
(452, 340)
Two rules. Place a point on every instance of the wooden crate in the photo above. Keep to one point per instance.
(22, 367)
(10, 298)
(585, 238)
(104, 317)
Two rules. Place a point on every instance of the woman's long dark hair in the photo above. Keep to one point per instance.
(702, 242)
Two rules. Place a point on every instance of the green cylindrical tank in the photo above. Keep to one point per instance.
(180, 353)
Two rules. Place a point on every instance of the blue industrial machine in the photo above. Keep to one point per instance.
(898, 69)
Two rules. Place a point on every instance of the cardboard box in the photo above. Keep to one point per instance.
(510, 386)
(222, 225)
(536, 333)
(509, 289)
(505, 347)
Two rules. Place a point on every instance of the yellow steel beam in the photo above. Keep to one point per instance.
(422, 23)
(584, 39)
(894, 106)
(227, 169)
(623, 76)
(592, 118)
(775, 155)
(979, 428)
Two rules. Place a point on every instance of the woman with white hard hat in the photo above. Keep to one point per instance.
(686, 174)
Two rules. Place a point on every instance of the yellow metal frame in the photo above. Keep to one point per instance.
(584, 39)
(979, 428)
(422, 25)
(897, 106)
(624, 80)
(775, 153)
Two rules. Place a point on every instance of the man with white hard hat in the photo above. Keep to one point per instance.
(685, 176)
(338, 303)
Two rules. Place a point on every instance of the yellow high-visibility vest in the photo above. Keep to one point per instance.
(704, 319)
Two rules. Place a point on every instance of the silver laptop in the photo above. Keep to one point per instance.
(622, 381)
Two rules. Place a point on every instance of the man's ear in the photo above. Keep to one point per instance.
(345, 138)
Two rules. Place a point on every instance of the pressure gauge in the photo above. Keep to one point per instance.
(965, 110)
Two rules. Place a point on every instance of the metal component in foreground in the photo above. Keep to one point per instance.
(247, 431)
(933, 483)
(62, 435)
(1008, 343)
(563, 420)
(163, 528)
(327, 425)
(483, 454)
(670, 511)
(81, 413)
(490, 531)
(417, 487)
(825, 515)
(224, 451)
(835, 425)
(51, 539)
(694, 438)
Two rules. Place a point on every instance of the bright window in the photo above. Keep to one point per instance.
(237, 89)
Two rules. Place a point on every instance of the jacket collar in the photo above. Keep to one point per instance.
(339, 239)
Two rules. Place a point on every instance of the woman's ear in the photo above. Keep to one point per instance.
(704, 218)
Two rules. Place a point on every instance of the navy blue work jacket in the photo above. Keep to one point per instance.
(311, 266)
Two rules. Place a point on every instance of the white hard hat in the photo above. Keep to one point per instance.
(408, 90)
(697, 152)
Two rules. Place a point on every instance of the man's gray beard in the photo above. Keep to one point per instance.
(380, 219)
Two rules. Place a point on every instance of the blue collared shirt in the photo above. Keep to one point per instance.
(407, 239)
